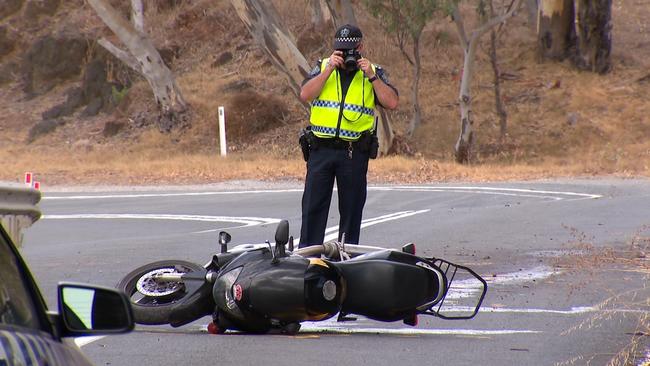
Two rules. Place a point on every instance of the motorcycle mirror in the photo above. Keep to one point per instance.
(224, 239)
(282, 233)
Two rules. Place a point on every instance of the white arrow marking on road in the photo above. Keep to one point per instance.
(332, 232)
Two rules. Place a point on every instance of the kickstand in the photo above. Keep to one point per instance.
(343, 317)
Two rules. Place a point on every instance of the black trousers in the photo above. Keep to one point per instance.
(324, 165)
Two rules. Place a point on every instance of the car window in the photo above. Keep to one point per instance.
(16, 305)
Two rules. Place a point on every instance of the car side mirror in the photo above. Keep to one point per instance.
(92, 310)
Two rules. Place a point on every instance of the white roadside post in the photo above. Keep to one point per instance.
(222, 131)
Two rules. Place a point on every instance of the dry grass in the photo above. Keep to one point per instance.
(590, 260)
(151, 162)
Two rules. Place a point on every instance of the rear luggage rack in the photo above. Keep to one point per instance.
(464, 293)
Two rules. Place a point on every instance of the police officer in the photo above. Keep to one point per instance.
(343, 90)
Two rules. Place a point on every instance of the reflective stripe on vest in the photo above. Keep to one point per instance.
(358, 109)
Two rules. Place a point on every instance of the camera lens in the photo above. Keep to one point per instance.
(350, 58)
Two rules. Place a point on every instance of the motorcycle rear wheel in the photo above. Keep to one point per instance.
(152, 302)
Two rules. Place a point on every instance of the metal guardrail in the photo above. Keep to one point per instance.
(18, 210)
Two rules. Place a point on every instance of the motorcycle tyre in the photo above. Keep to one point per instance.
(157, 314)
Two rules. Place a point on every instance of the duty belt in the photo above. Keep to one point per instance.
(336, 143)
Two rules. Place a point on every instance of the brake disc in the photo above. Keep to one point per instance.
(149, 285)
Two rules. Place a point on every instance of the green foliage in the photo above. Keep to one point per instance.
(401, 17)
(118, 95)
(443, 37)
(449, 6)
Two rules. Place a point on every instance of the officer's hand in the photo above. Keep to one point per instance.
(335, 61)
(365, 65)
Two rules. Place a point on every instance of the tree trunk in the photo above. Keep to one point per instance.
(264, 24)
(555, 29)
(417, 114)
(532, 7)
(594, 30)
(319, 14)
(342, 12)
(466, 138)
(137, 15)
(498, 102)
(168, 96)
(464, 144)
(385, 132)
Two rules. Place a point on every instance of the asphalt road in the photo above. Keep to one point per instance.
(566, 284)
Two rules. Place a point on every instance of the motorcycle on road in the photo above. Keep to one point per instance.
(265, 287)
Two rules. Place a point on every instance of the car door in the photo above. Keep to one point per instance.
(26, 335)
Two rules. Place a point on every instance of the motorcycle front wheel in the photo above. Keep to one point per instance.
(152, 300)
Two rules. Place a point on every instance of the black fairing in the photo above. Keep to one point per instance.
(272, 294)
(387, 285)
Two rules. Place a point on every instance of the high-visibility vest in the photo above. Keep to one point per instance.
(358, 108)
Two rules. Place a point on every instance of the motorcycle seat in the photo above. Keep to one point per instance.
(386, 290)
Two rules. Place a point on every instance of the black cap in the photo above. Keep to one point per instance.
(347, 37)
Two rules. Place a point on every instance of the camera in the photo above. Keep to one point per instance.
(350, 58)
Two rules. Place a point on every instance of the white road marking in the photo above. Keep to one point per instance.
(524, 192)
(415, 331)
(519, 192)
(331, 233)
(82, 341)
(576, 310)
(244, 221)
(179, 194)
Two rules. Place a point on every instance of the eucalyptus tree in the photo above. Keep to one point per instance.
(469, 42)
(405, 20)
(143, 57)
(577, 29)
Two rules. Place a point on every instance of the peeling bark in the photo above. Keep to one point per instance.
(264, 24)
(342, 12)
(555, 29)
(320, 14)
(167, 94)
(121, 55)
(137, 15)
